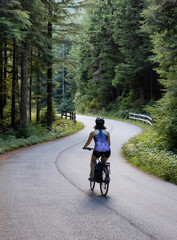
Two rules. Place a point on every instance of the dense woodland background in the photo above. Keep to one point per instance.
(104, 56)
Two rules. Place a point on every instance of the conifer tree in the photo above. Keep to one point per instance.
(49, 69)
(36, 9)
(98, 57)
(134, 73)
(160, 23)
(12, 21)
(24, 28)
(114, 67)
(14, 84)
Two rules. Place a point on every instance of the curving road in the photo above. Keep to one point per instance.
(44, 194)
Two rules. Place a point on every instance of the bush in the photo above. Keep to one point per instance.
(66, 104)
(34, 134)
(148, 152)
(123, 114)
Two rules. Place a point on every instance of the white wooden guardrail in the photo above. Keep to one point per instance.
(141, 117)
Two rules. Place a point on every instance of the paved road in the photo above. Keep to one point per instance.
(44, 194)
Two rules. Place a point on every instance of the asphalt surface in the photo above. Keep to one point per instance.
(45, 195)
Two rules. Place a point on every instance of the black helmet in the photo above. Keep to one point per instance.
(99, 121)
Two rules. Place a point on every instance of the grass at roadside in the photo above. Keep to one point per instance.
(148, 152)
(37, 134)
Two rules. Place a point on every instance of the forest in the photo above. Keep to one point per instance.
(104, 56)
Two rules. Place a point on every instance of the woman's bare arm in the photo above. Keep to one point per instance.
(109, 141)
(89, 140)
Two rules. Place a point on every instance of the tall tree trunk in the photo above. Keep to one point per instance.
(38, 100)
(30, 88)
(24, 85)
(1, 80)
(5, 73)
(49, 74)
(38, 93)
(141, 95)
(13, 110)
(18, 82)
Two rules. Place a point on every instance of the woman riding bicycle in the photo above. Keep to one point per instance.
(102, 145)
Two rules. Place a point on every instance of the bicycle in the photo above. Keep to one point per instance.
(104, 173)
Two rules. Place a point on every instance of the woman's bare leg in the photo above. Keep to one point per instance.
(104, 159)
(92, 166)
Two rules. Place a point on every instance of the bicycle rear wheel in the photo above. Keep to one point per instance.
(92, 185)
(104, 185)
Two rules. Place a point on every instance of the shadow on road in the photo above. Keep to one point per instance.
(96, 200)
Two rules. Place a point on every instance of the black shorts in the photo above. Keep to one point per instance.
(102, 154)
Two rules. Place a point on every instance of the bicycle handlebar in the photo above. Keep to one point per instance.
(89, 148)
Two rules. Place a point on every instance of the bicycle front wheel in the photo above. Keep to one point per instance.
(92, 185)
(104, 185)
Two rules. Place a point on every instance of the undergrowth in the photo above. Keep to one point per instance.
(148, 152)
(34, 134)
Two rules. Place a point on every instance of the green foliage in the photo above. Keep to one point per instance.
(96, 57)
(66, 104)
(43, 115)
(27, 21)
(133, 72)
(13, 20)
(160, 23)
(128, 102)
(149, 153)
(35, 134)
(111, 60)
